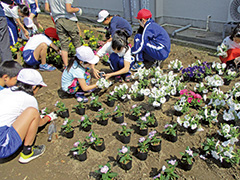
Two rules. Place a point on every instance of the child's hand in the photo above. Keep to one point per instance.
(38, 10)
(96, 73)
(107, 76)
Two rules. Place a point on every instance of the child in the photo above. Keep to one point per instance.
(120, 57)
(152, 44)
(115, 23)
(30, 27)
(8, 73)
(231, 54)
(36, 48)
(20, 118)
(34, 12)
(12, 15)
(76, 77)
(64, 16)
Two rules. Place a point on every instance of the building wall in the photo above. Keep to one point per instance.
(178, 12)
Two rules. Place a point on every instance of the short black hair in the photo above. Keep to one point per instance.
(10, 68)
(119, 40)
(24, 9)
(27, 88)
(236, 32)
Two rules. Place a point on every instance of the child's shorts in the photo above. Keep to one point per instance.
(29, 58)
(10, 141)
(74, 87)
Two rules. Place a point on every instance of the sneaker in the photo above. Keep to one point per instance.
(118, 79)
(46, 67)
(36, 152)
(137, 65)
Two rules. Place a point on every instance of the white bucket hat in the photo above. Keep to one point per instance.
(102, 15)
(28, 22)
(85, 53)
(31, 77)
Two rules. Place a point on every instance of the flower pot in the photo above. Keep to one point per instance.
(81, 157)
(177, 94)
(171, 138)
(119, 120)
(226, 164)
(96, 108)
(185, 166)
(86, 129)
(175, 71)
(158, 107)
(192, 131)
(143, 132)
(110, 103)
(70, 134)
(141, 155)
(124, 139)
(64, 114)
(226, 82)
(205, 122)
(178, 113)
(156, 147)
(126, 166)
(80, 111)
(231, 122)
(155, 124)
(100, 147)
(133, 117)
(103, 122)
(138, 98)
(15, 56)
(167, 98)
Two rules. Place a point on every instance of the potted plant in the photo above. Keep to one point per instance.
(201, 88)
(111, 98)
(95, 103)
(85, 123)
(135, 112)
(105, 172)
(142, 125)
(88, 34)
(181, 106)
(228, 76)
(103, 117)
(171, 132)
(80, 108)
(125, 134)
(143, 148)
(125, 158)
(97, 143)
(121, 92)
(63, 110)
(190, 122)
(105, 59)
(67, 128)
(187, 159)
(168, 173)
(118, 115)
(227, 132)
(79, 150)
(103, 83)
(155, 142)
(207, 115)
(151, 120)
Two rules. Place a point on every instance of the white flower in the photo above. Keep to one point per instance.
(104, 169)
(186, 124)
(228, 154)
(179, 121)
(156, 104)
(124, 150)
(172, 162)
(163, 168)
(193, 126)
(162, 100)
(214, 154)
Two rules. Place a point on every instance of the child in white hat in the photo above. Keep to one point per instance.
(20, 118)
(76, 77)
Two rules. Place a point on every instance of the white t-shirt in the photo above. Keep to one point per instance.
(35, 40)
(12, 13)
(12, 104)
(31, 1)
(107, 48)
(231, 44)
(75, 71)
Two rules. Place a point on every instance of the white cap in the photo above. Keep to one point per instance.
(85, 53)
(31, 77)
(28, 22)
(102, 15)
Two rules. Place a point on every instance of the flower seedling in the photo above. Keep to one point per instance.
(66, 126)
(95, 101)
(188, 156)
(125, 131)
(61, 106)
(102, 115)
(105, 172)
(85, 121)
(143, 144)
(79, 148)
(124, 154)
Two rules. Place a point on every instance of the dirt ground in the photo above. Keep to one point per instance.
(56, 164)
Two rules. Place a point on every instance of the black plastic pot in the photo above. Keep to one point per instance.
(153, 125)
(86, 129)
(142, 155)
(192, 131)
(178, 113)
(226, 82)
(143, 132)
(103, 122)
(64, 114)
(110, 103)
(119, 120)
(80, 111)
(100, 147)
(124, 139)
(126, 166)
(70, 134)
(185, 166)
(156, 147)
(81, 157)
(171, 138)
(96, 108)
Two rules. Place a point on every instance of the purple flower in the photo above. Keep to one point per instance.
(124, 150)
(124, 124)
(172, 162)
(157, 176)
(82, 118)
(152, 134)
(133, 106)
(142, 139)
(101, 109)
(92, 139)
(147, 114)
(76, 144)
(167, 125)
(190, 152)
(104, 169)
(92, 98)
(116, 108)
(65, 122)
(144, 118)
(111, 93)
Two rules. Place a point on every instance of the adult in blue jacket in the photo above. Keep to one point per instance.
(152, 44)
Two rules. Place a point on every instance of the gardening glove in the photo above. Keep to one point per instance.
(38, 10)
(52, 116)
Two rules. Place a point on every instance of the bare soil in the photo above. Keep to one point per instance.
(57, 164)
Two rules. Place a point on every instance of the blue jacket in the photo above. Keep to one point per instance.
(154, 41)
(119, 23)
(2, 14)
